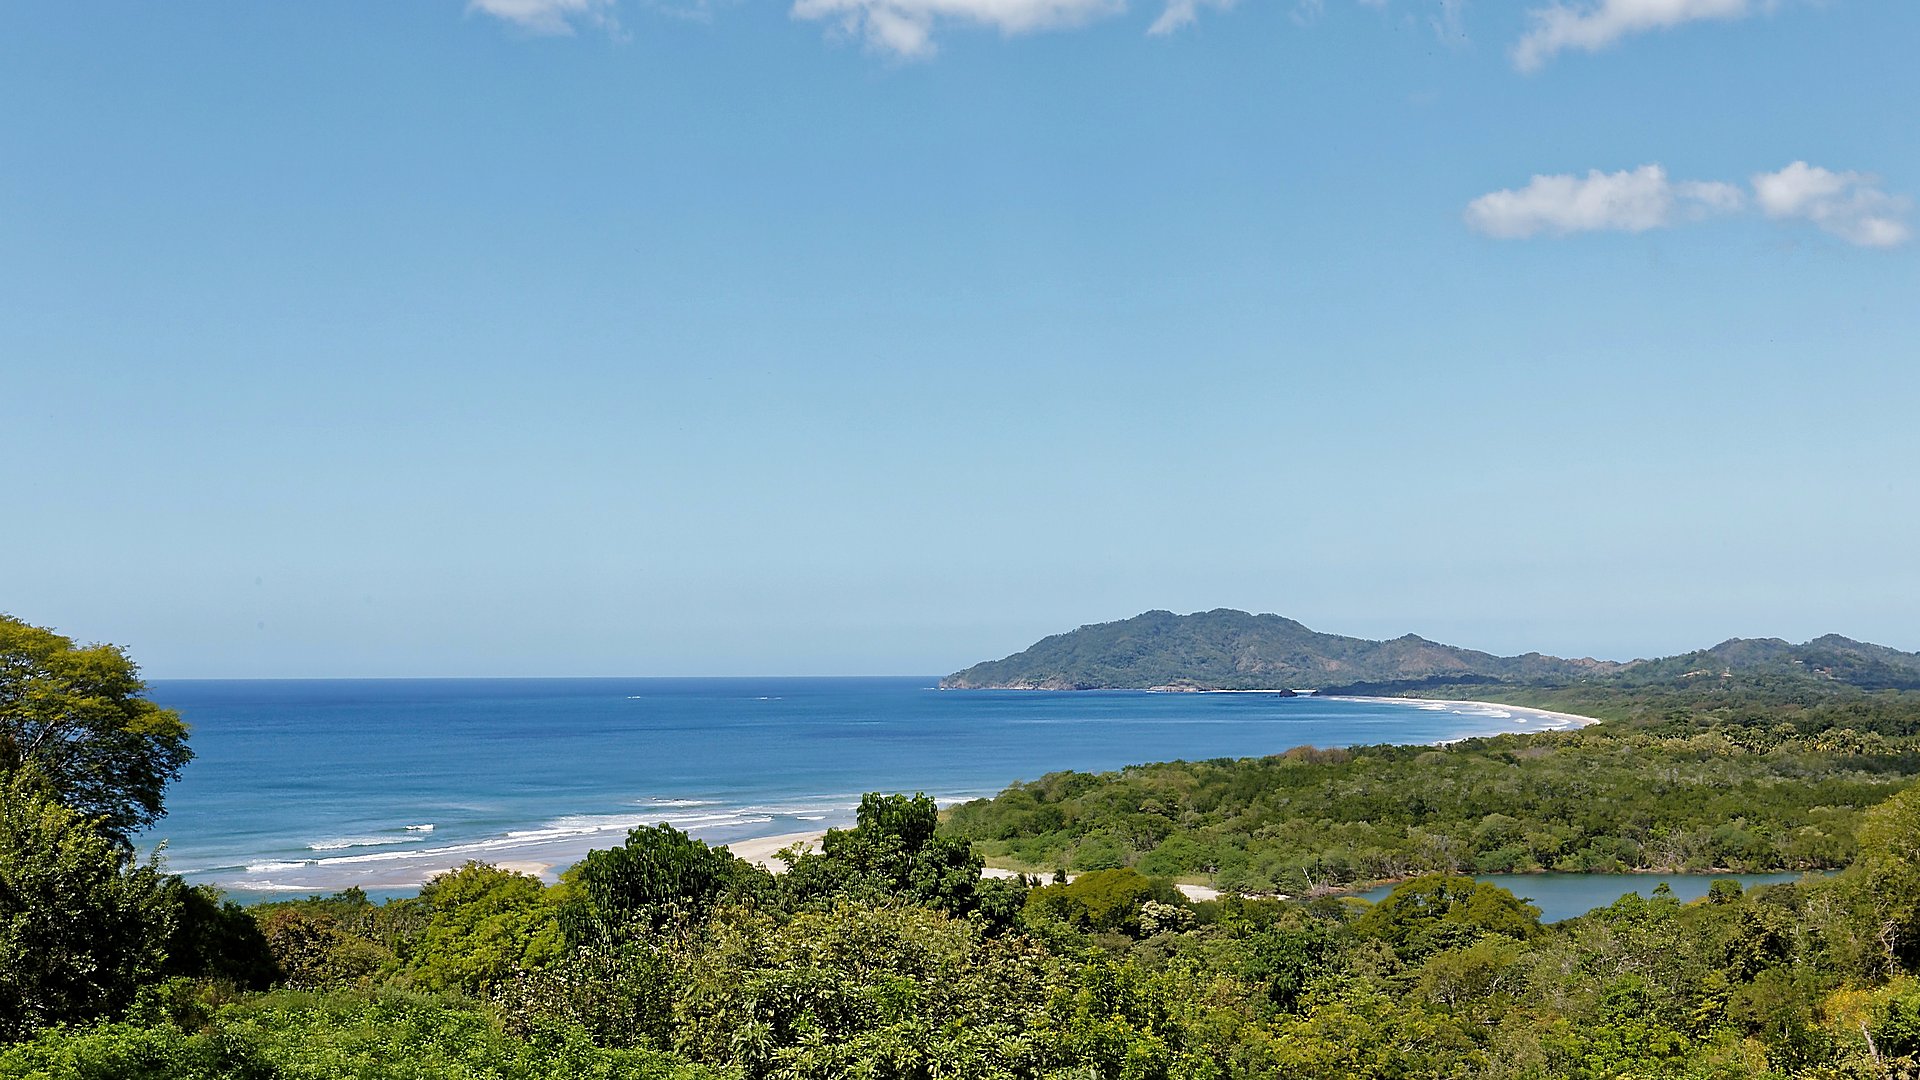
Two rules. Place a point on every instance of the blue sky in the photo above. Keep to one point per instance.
(870, 336)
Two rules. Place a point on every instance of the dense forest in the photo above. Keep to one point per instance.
(1232, 650)
(887, 954)
(1743, 778)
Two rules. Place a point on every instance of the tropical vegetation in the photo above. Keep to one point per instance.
(889, 954)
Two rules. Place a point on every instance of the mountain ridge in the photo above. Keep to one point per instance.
(1228, 649)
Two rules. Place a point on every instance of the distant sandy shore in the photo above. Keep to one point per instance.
(760, 849)
(1519, 714)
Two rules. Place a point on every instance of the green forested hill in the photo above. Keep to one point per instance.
(1233, 650)
(1825, 659)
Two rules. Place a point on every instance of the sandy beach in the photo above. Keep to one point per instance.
(1546, 719)
(761, 850)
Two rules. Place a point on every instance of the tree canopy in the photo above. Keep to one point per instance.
(75, 715)
(81, 925)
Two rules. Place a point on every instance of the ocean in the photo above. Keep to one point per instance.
(316, 785)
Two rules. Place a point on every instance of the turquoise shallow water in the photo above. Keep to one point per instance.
(301, 785)
(1565, 896)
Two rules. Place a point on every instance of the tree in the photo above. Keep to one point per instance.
(486, 924)
(75, 715)
(659, 877)
(893, 853)
(1885, 880)
(215, 938)
(1102, 900)
(82, 925)
(1436, 912)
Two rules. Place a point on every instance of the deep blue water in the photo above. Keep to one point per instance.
(323, 783)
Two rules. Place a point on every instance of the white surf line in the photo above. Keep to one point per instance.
(1567, 720)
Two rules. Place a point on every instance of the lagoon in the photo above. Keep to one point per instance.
(1567, 896)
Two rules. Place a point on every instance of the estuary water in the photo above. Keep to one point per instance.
(316, 785)
(1566, 896)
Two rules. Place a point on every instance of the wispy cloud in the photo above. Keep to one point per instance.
(1445, 17)
(1179, 13)
(1626, 201)
(905, 27)
(547, 16)
(1593, 25)
(1850, 206)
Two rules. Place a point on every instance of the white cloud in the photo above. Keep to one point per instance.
(1629, 201)
(905, 27)
(547, 16)
(1595, 24)
(1849, 205)
(1446, 20)
(1179, 13)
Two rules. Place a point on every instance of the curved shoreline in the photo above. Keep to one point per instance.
(1564, 721)
(546, 857)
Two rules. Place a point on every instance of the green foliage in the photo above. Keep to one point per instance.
(860, 990)
(216, 939)
(619, 993)
(1103, 900)
(1112, 977)
(286, 1036)
(75, 716)
(660, 876)
(1885, 881)
(485, 925)
(315, 948)
(1702, 784)
(893, 852)
(82, 925)
(1438, 912)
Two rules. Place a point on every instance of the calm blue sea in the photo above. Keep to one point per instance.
(300, 785)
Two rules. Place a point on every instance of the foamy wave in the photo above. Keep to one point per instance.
(340, 842)
(572, 827)
(586, 824)
(410, 852)
(277, 867)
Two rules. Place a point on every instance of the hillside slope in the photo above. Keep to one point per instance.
(1233, 650)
